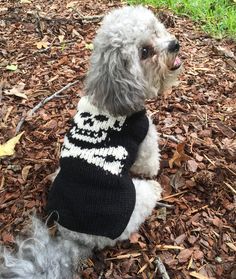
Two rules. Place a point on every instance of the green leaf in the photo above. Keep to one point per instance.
(11, 67)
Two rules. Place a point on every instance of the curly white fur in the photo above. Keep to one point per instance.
(118, 79)
(148, 160)
(41, 257)
(134, 59)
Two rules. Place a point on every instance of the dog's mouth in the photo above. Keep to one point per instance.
(176, 64)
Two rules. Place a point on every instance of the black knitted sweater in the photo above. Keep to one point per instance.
(93, 192)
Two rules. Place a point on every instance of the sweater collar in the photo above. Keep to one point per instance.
(86, 105)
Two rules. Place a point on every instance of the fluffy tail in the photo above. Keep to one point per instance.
(41, 257)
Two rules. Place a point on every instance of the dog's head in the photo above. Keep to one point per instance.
(134, 58)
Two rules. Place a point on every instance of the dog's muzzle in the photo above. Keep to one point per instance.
(173, 48)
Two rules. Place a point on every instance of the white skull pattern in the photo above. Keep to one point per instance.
(93, 128)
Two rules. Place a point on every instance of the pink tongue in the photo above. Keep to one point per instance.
(177, 61)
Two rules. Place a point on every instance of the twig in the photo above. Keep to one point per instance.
(1, 88)
(174, 195)
(173, 138)
(161, 204)
(199, 209)
(80, 19)
(168, 247)
(43, 102)
(161, 268)
(230, 187)
(19, 125)
(94, 18)
(146, 265)
(126, 256)
(7, 204)
(39, 25)
(213, 163)
(234, 173)
(52, 44)
(101, 274)
(47, 99)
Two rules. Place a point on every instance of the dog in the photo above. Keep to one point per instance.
(94, 201)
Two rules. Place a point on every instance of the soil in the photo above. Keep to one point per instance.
(44, 46)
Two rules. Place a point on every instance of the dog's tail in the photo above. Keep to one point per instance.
(41, 256)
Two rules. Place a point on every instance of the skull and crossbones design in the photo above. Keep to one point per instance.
(93, 128)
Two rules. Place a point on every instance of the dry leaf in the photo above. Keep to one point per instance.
(7, 237)
(17, 91)
(53, 6)
(30, 204)
(225, 130)
(76, 34)
(205, 133)
(199, 158)
(6, 116)
(7, 149)
(63, 60)
(25, 172)
(61, 38)
(12, 67)
(3, 84)
(162, 214)
(134, 238)
(229, 145)
(89, 46)
(165, 183)
(179, 156)
(192, 165)
(177, 181)
(225, 51)
(42, 44)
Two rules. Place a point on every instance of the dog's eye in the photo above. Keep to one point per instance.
(146, 52)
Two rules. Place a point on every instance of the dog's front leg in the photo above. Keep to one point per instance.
(148, 157)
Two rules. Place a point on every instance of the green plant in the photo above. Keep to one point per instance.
(217, 17)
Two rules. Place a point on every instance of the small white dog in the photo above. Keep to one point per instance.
(94, 200)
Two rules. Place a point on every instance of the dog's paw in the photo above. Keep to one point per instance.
(148, 169)
(157, 189)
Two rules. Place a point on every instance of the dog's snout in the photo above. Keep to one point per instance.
(173, 46)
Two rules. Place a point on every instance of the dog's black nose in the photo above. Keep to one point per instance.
(173, 46)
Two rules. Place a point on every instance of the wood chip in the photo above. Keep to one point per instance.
(198, 275)
(231, 246)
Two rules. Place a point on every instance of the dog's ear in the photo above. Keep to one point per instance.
(115, 81)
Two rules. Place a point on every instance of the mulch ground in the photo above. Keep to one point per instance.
(49, 42)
